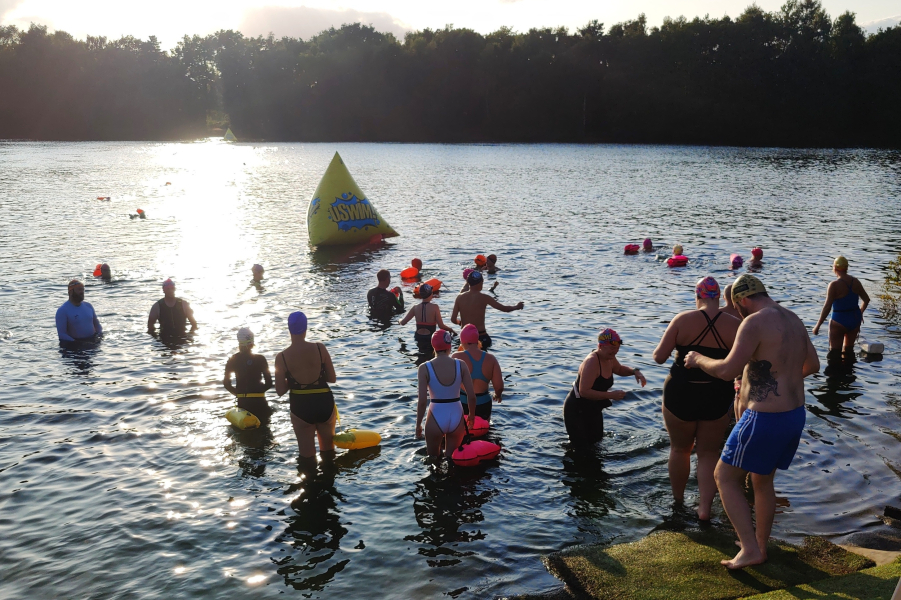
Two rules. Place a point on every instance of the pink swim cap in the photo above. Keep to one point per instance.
(736, 260)
(466, 273)
(168, 283)
(647, 243)
(469, 334)
(442, 340)
(707, 288)
(757, 253)
(609, 336)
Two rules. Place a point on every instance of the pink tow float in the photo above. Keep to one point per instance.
(632, 249)
(479, 428)
(677, 261)
(471, 454)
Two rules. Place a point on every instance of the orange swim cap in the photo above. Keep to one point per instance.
(481, 260)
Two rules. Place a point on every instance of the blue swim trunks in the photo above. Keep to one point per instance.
(762, 441)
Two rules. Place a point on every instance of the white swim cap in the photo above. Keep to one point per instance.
(245, 336)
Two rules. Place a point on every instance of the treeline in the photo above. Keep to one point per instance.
(794, 77)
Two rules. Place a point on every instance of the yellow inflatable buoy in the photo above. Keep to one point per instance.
(229, 136)
(357, 439)
(242, 419)
(340, 214)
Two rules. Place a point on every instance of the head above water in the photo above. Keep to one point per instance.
(840, 263)
(297, 323)
(647, 244)
(677, 250)
(76, 291)
(425, 292)
(384, 277)
(492, 259)
(474, 279)
(480, 260)
(245, 338)
(469, 334)
(756, 253)
(105, 271)
(442, 341)
(416, 263)
(257, 271)
(707, 288)
(736, 260)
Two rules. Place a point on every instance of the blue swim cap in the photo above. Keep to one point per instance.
(474, 279)
(297, 323)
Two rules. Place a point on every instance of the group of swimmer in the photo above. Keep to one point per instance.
(746, 360)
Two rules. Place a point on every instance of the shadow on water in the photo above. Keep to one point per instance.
(589, 484)
(837, 388)
(333, 259)
(256, 447)
(446, 504)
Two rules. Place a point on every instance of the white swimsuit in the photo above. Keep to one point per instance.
(445, 407)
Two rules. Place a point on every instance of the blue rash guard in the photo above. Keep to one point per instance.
(74, 323)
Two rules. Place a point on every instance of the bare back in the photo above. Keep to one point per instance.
(305, 361)
(472, 305)
(774, 376)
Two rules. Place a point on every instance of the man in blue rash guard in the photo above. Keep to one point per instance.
(76, 320)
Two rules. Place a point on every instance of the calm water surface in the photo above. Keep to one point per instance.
(119, 478)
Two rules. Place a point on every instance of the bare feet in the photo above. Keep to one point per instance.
(744, 559)
(762, 552)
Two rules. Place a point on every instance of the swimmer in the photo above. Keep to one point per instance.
(756, 259)
(492, 264)
(106, 274)
(416, 264)
(480, 262)
(313, 410)
(843, 296)
(382, 303)
(444, 422)
(484, 369)
(469, 307)
(677, 250)
(697, 407)
(428, 317)
(252, 378)
(736, 262)
(774, 351)
(465, 287)
(647, 245)
(591, 392)
(76, 320)
(172, 313)
(257, 271)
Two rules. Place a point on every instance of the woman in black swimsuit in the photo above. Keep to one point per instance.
(697, 407)
(428, 319)
(305, 369)
(591, 393)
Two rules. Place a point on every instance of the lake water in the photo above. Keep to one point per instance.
(119, 478)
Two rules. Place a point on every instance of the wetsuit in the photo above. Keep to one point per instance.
(173, 321)
(693, 394)
(424, 340)
(846, 310)
(483, 400)
(584, 418)
(252, 379)
(77, 323)
(444, 400)
(383, 303)
(311, 402)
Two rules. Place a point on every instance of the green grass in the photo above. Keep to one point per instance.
(877, 583)
(669, 565)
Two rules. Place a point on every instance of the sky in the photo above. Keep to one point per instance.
(169, 20)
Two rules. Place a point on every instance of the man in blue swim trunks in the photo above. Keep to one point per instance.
(773, 349)
(76, 320)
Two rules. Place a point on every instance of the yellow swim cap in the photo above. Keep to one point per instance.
(841, 263)
(677, 250)
(746, 285)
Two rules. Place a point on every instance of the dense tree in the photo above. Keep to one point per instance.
(790, 77)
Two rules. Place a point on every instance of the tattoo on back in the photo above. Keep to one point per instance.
(762, 381)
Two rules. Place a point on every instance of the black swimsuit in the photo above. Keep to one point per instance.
(424, 340)
(311, 402)
(584, 419)
(693, 394)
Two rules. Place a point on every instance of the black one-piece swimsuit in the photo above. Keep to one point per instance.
(311, 402)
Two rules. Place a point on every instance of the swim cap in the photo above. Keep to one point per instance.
(757, 253)
(416, 263)
(707, 288)
(168, 283)
(492, 258)
(466, 273)
(441, 340)
(469, 334)
(736, 260)
(481, 260)
(677, 250)
(841, 263)
(474, 279)
(647, 243)
(74, 283)
(245, 336)
(425, 290)
(297, 323)
(746, 285)
(609, 336)
(256, 268)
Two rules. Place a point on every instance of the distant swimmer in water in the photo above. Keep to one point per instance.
(103, 272)
(252, 378)
(481, 262)
(469, 307)
(484, 369)
(382, 303)
(313, 410)
(76, 320)
(774, 351)
(697, 407)
(428, 317)
(440, 380)
(257, 271)
(756, 262)
(591, 393)
(843, 297)
(491, 264)
(172, 313)
(735, 261)
(647, 245)
(465, 287)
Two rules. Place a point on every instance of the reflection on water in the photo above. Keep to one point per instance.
(122, 452)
